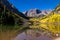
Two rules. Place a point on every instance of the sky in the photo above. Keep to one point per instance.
(24, 5)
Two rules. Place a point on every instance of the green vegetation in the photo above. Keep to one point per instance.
(50, 22)
(9, 32)
(55, 18)
(11, 24)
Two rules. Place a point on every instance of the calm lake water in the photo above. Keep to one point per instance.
(34, 34)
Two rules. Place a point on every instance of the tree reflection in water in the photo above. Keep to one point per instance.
(41, 32)
(36, 32)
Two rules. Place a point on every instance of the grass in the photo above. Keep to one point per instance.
(8, 32)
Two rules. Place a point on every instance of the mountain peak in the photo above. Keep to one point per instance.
(36, 12)
(32, 12)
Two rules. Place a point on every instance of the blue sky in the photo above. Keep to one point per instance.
(24, 5)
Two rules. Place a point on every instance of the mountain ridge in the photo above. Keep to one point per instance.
(36, 12)
(10, 15)
(12, 8)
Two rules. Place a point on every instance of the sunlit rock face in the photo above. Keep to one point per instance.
(36, 12)
(32, 12)
(45, 12)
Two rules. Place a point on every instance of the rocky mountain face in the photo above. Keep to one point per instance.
(36, 12)
(32, 12)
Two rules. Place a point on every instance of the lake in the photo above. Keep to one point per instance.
(42, 32)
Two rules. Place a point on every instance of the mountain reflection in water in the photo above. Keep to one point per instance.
(34, 34)
(31, 36)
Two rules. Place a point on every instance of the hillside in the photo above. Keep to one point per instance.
(12, 22)
(54, 16)
(10, 15)
(52, 19)
(11, 8)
